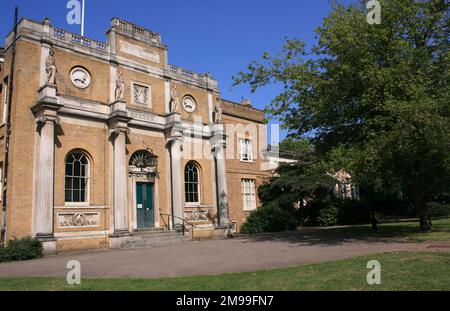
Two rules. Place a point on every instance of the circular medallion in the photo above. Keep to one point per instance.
(80, 77)
(189, 104)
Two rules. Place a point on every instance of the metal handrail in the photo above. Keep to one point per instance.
(183, 226)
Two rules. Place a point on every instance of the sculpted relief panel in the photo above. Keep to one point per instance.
(78, 220)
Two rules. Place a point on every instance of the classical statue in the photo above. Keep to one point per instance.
(120, 86)
(50, 68)
(174, 99)
(217, 118)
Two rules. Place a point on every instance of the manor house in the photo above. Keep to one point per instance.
(102, 142)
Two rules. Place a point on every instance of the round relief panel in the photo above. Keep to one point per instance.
(189, 104)
(80, 77)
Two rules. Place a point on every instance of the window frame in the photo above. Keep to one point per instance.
(5, 93)
(188, 203)
(87, 177)
(248, 190)
(1, 181)
(246, 150)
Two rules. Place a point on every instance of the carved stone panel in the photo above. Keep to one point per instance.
(141, 95)
(78, 220)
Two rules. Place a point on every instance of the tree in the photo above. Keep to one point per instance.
(377, 93)
(302, 180)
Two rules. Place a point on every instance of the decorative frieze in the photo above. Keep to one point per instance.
(199, 214)
(142, 116)
(78, 220)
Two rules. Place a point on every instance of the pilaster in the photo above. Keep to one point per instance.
(118, 127)
(174, 136)
(46, 116)
(219, 144)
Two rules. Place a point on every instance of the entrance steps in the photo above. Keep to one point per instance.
(150, 238)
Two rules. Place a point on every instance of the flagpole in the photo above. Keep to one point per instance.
(82, 20)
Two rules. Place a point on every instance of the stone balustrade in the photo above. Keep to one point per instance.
(77, 39)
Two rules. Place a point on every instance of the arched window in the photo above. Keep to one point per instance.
(77, 178)
(191, 183)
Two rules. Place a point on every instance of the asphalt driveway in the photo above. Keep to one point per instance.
(209, 257)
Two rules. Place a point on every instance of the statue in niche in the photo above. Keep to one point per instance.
(174, 102)
(217, 117)
(120, 86)
(50, 68)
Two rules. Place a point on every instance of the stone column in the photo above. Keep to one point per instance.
(177, 178)
(45, 112)
(219, 146)
(118, 125)
(43, 217)
(120, 181)
(174, 136)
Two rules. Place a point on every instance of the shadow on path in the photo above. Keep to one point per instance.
(388, 233)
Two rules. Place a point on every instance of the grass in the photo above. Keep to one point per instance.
(405, 230)
(400, 271)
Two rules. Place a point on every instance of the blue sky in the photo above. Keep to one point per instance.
(220, 37)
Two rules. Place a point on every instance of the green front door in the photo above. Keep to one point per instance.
(144, 205)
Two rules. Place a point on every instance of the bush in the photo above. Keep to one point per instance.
(438, 209)
(328, 217)
(270, 218)
(3, 256)
(21, 249)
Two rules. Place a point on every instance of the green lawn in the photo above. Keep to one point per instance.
(401, 230)
(400, 271)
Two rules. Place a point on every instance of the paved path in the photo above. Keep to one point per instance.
(210, 257)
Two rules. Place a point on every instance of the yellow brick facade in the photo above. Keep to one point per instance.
(50, 123)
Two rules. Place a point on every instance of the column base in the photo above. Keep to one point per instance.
(118, 239)
(48, 243)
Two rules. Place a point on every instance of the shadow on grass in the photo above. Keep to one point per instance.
(400, 232)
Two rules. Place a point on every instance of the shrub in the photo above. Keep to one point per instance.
(328, 217)
(270, 218)
(21, 249)
(438, 209)
(2, 253)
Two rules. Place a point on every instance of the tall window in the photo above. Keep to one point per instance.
(191, 183)
(5, 99)
(248, 194)
(245, 150)
(77, 178)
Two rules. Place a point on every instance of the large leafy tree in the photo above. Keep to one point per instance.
(376, 94)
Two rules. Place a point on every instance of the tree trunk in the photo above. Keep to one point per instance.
(374, 221)
(419, 203)
(302, 212)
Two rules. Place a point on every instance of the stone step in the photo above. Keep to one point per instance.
(151, 231)
(150, 239)
(154, 238)
(152, 244)
(159, 235)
